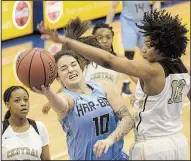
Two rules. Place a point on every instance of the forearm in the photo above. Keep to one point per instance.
(94, 54)
(59, 104)
(111, 12)
(110, 15)
(125, 125)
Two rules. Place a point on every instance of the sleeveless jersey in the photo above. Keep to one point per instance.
(26, 145)
(134, 10)
(97, 72)
(160, 115)
(91, 119)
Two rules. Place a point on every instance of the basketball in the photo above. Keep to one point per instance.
(36, 67)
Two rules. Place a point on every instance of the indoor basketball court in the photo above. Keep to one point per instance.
(58, 147)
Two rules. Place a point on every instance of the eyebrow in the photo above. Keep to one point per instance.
(16, 97)
(148, 41)
(63, 66)
(66, 65)
(20, 97)
(73, 62)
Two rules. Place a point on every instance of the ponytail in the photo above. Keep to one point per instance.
(7, 115)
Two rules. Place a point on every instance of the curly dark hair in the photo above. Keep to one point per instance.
(75, 29)
(166, 33)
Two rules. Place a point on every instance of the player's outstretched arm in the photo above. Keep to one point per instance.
(46, 107)
(137, 68)
(59, 102)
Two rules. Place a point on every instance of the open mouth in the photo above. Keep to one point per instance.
(73, 76)
(24, 110)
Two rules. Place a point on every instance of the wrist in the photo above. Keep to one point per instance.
(111, 139)
(65, 40)
(49, 95)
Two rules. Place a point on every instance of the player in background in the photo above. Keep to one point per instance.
(22, 138)
(132, 12)
(164, 82)
(88, 113)
(104, 35)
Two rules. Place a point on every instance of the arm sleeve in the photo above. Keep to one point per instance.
(43, 133)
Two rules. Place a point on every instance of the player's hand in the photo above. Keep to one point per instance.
(44, 90)
(46, 108)
(102, 145)
(48, 34)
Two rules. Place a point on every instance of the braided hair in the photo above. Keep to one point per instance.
(7, 95)
(166, 33)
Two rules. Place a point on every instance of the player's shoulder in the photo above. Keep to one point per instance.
(173, 66)
(40, 124)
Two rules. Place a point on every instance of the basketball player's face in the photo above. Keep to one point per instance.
(105, 37)
(149, 52)
(69, 71)
(19, 103)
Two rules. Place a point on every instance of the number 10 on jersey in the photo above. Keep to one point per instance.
(101, 124)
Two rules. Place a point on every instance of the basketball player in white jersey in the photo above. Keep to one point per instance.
(132, 12)
(163, 84)
(22, 138)
(104, 35)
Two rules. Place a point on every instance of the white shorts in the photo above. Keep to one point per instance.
(173, 147)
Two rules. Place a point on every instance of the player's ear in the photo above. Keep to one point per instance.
(7, 104)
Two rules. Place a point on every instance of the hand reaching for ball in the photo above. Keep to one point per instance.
(48, 34)
(44, 90)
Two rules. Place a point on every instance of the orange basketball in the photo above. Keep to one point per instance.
(36, 67)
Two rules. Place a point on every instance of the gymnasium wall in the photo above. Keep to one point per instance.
(20, 18)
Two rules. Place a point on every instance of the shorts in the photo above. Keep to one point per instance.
(122, 156)
(131, 37)
(172, 147)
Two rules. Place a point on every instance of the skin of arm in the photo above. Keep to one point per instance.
(156, 5)
(45, 153)
(121, 111)
(137, 68)
(111, 12)
(60, 103)
(141, 68)
(47, 106)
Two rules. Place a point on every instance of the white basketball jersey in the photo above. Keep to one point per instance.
(24, 146)
(97, 72)
(160, 115)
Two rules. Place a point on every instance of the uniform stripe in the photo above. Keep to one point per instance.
(142, 111)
